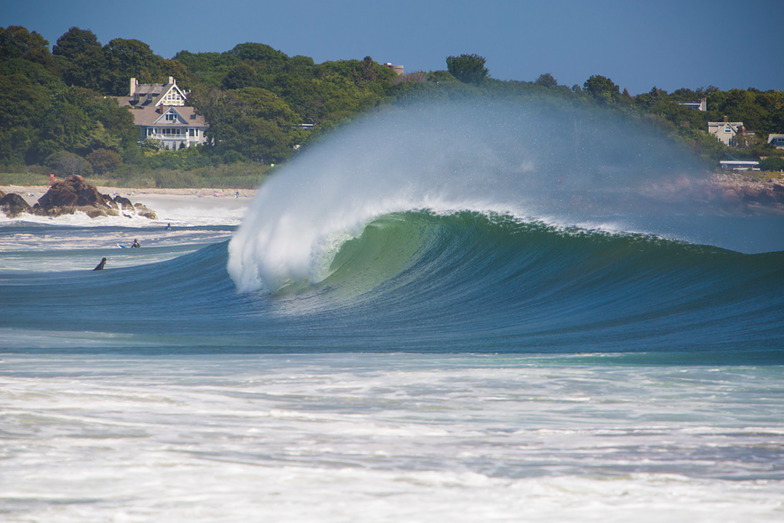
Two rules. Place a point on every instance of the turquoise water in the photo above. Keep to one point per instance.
(432, 283)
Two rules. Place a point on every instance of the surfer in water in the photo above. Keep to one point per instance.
(100, 265)
(135, 244)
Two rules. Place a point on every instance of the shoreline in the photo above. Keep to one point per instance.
(31, 193)
(735, 193)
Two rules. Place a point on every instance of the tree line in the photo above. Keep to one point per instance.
(57, 107)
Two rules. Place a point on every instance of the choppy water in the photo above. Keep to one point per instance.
(377, 343)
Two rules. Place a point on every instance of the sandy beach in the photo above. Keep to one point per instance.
(31, 193)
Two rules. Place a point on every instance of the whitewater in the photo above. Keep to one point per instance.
(483, 310)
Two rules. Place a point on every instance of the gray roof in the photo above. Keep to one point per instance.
(149, 94)
(148, 116)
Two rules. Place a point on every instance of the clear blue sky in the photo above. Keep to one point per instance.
(637, 43)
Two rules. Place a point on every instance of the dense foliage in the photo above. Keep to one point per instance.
(57, 107)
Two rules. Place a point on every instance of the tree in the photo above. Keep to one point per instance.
(468, 68)
(18, 42)
(64, 163)
(772, 164)
(151, 145)
(80, 57)
(104, 160)
(126, 59)
(602, 89)
(241, 76)
(251, 121)
(269, 58)
(546, 80)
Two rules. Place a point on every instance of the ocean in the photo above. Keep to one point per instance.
(426, 317)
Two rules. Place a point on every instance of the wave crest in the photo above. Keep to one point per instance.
(554, 163)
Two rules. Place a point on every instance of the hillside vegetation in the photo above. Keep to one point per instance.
(58, 114)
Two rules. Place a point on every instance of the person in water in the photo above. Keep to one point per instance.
(135, 244)
(100, 265)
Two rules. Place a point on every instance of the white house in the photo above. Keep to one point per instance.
(777, 140)
(159, 112)
(739, 165)
(702, 105)
(725, 131)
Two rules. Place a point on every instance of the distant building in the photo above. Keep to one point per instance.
(159, 112)
(397, 68)
(702, 105)
(777, 140)
(739, 165)
(725, 131)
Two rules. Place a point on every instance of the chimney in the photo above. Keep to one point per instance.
(134, 83)
(726, 119)
(171, 80)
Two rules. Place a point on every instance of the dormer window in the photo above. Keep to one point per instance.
(170, 117)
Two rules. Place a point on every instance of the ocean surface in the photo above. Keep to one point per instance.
(432, 339)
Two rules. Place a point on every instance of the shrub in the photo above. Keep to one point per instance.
(64, 163)
(104, 160)
(773, 163)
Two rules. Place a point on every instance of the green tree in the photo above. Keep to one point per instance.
(17, 42)
(151, 145)
(468, 68)
(772, 164)
(602, 89)
(253, 122)
(546, 80)
(104, 160)
(25, 93)
(126, 59)
(243, 75)
(206, 68)
(265, 56)
(79, 55)
(64, 163)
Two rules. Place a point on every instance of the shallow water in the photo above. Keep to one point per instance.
(388, 437)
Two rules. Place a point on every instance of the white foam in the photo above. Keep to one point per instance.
(334, 438)
(75, 242)
(184, 210)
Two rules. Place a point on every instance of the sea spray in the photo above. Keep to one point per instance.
(559, 161)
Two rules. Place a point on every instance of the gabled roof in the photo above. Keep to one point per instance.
(735, 126)
(149, 116)
(150, 94)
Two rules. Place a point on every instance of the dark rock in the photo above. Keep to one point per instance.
(72, 192)
(72, 195)
(13, 205)
(108, 200)
(75, 194)
(143, 210)
(125, 202)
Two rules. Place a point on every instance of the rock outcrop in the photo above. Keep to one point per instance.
(13, 205)
(745, 195)
(74, 194)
